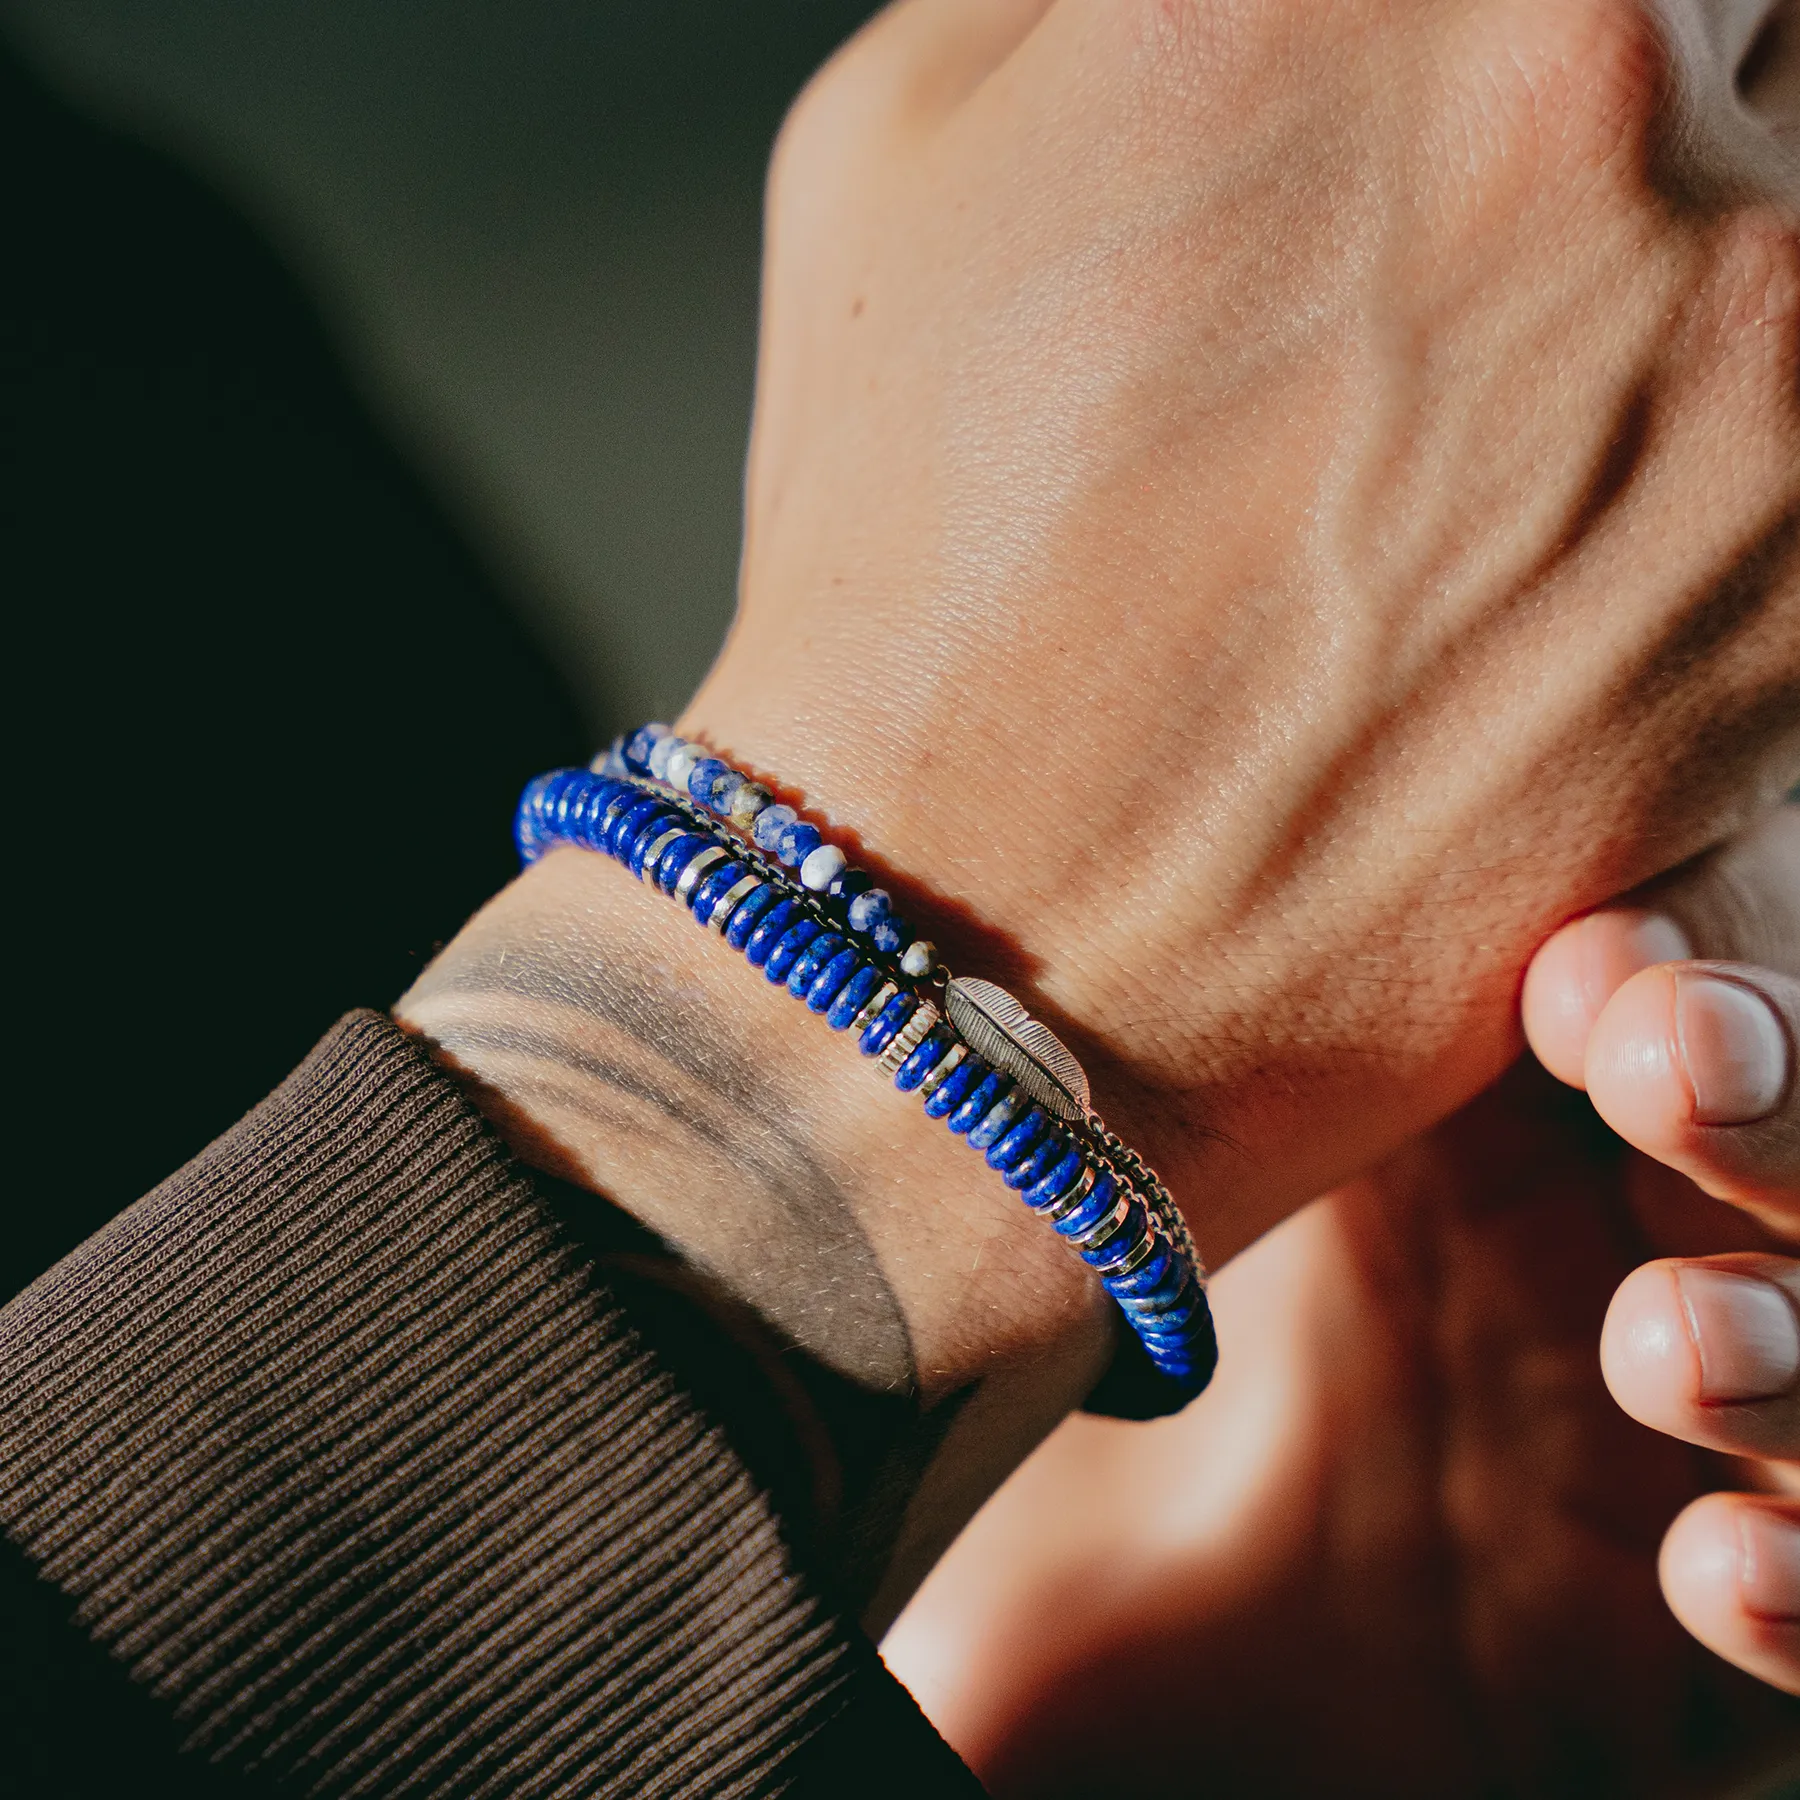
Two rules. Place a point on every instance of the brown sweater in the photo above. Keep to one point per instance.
(341, 1452)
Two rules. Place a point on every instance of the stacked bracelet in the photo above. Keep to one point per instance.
(766, 881)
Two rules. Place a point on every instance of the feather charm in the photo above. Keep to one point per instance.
(995, 1026)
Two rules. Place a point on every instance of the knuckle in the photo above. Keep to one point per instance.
(1579, 82)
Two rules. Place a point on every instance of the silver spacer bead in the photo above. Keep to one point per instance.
(908, 1038)
(730, 900)
(1148, 1246)
(653, 855)
(697, 866)
(1105, 1226)
(952, 1060)
(872, 1008)
(1084, 1185)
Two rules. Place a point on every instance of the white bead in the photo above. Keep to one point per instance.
(822, 868)
(660, 752)
(681, 765)
(920, 958)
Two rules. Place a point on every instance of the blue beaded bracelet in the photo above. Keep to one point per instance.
(770, 885)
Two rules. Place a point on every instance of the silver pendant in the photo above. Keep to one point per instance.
(995, 1026)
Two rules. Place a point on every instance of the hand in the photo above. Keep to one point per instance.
(1694, 1063)
(1407, 1545)
(1200, 448)
(1262, 511)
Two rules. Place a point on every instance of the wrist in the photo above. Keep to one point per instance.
(617, 1047)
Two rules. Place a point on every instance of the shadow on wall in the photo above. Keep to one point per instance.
(533, 230)
(274, 710)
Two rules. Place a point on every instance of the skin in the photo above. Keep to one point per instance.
(1409, 1544)
(1200, 448)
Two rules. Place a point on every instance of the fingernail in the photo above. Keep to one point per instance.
(1745, 1331)
(1618, 945)
(1770, 1570)
(1734, 1048)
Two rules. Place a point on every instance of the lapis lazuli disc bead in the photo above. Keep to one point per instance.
(750, 910)
(654, 828)
(1044, 1155)
(853, 996)
(997, 1121)
(1119, 1243)
(622, 823)
(931, 1051)
(1093, 1208)
(811, 960)
(1018, 1140)
(769, 931)
(1150, 1278)
(715, 884)
(632, 841)
(798, 841)
(885, 1026)
(977, 1105)
(1056, 1181)
(831, 980)
(771, 822)
(676, 858)
(786, 953)
(950, 1093)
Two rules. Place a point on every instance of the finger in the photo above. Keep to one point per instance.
(1740, 903)
(1693, 1063)
(1731, 1574)
(1708, 1350)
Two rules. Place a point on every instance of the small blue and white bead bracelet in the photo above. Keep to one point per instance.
(686, 822)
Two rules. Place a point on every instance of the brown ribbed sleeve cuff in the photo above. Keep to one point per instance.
(342, 1451)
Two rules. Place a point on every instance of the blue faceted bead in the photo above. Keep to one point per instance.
(997, 1121)
(715, 884)
(769, 931)
(677, 857)
(846, 885)
(950, 1093)
(787, 951)
(975, 1108)
(868, 909)
(811, 960)
(853, 996)
(798, 841)
(886, 1025)
(1095, 1205)
(1017, 1140)
(750, 909)
(771, 822)
(926, 1057)
(638, 746)
(1045, 1155)
(891, 936)
(705, 776)
(831, 980)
